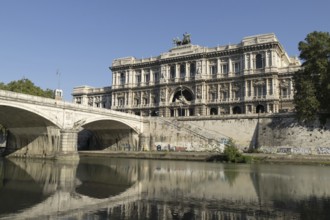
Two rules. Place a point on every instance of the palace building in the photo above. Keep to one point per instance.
(253, 76)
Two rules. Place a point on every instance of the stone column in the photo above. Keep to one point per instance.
(229, 67)
(187, 69)
(144, 141)
(68, 145)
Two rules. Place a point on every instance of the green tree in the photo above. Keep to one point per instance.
(312, 82)
(27, 87)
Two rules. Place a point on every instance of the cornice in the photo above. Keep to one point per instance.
(220, 53)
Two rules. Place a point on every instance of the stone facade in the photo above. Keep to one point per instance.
(252, 76)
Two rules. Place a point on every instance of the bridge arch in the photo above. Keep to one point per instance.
(29, 131)
(101, 133)
(25, 114)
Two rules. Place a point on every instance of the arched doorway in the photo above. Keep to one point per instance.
(260, 109)
(213, 111)
(237, 110)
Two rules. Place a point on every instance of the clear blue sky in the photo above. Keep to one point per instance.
(80, 38)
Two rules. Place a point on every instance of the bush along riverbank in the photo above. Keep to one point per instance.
(231, 154)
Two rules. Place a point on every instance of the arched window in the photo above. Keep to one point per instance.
(237, 110)
(259, 61)
(260, 109)
(213, 111)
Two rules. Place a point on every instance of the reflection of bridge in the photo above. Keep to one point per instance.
(44, 128)
(57, 189)
(59, 181)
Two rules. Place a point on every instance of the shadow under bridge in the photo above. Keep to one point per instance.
(108, 134)
(29, 132)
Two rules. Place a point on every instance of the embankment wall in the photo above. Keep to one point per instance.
(279, 133)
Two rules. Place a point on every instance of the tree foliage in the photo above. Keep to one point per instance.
(312, 82)
(27, 87)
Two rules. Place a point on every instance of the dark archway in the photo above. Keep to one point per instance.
(260, 109)
(107, 134)
(237, 110)
(213, 111)
(182, 95)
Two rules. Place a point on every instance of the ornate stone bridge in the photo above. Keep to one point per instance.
(48, 128)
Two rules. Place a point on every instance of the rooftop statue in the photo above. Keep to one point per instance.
(184, 41)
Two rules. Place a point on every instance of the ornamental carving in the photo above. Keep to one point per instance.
(284, 83)
(213, 89)
(259, 83)
(236, 87)
(163, 95)
(224, 88)
(199, 67)
(199, 92)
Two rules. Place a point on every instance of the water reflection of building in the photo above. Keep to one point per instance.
(189, 80)
(162, 190)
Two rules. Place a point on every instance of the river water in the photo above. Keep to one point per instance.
(108, 188)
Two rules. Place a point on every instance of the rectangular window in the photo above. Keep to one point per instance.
(122, 78)
(192, 69)
(138, 79)
(172, 72)
(213, 97)
(213, 70)
(147, 77)
(120, 101)
(236, 67)
(182, 70)
(224, 68)
(156, 76)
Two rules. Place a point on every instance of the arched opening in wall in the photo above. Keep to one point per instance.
(108, 135)
(237, 110)
(259, 63)
(260, 109)
(213, 111)
(137, 113)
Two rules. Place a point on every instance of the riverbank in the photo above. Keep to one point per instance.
(209, 156)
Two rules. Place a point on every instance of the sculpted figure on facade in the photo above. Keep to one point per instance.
(199, 67)
(163, 95)
(185, 40)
